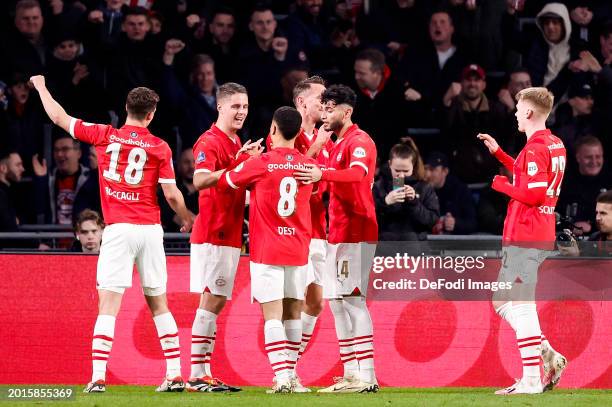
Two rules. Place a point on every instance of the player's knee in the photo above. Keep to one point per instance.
(314, 307)
(213, 303)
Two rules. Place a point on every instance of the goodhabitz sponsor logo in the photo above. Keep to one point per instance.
(286, 166)
(138, 143)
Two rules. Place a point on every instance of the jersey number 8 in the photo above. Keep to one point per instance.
(286, 202)
(136, 162)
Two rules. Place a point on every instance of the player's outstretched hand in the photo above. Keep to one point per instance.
(499, 181)
(38, 81)
(489, 142)
(253, 149)
(312, 173)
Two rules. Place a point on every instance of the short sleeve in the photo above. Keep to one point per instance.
(205, 156)
(90, 133)
(166, 169)
(537, 166)
(245, 174)
(361, 153)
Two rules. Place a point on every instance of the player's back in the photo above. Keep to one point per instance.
(131, 162)
(280, 219)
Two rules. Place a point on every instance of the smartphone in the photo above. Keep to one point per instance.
(398, 183)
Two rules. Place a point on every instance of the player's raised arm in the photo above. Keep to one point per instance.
(54, 110)
(175, 199)
(496, 151)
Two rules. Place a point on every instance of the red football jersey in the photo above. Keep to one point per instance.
(131, 162)
(352, 215)
(317, 207)
(279, 213)
(541, 164)
(221, 213)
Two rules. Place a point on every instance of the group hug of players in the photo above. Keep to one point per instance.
(296, 259)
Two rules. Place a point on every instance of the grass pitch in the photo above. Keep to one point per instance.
(255, 396)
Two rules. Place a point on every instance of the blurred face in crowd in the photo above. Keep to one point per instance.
(518, 82)
(313, 7)
(606, 46)
(309, 102)
(581, 105)
(263, 25)
(436, 176)
(12, 167)
(205, 77)
(334, 116)
(590, 159)
(473, 87)
(441, 28)
(223, 27)
(114, 4)
(66, 155)
(186, 165)
(89, 233)
(233, 111)
(405, 3)
(603, 217)
(553, 29)
(29, 22)
(66, 50)
(20, 92)
(401, 167)
(136, 27)
(156, 25)
(365, 77)
(290, 79)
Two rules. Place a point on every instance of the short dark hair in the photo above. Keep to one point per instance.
(376, 58)
(340, 95)
(605, 197)
(196, 62)
(223, 10)
(587, 140)
(26, 5)
(261, 7)
(305, 85)
(136, 11)
(140, 102)
(60, 134)
(229, 89)
(84, 216)
(288, 121)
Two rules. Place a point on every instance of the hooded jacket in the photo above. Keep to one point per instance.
(558, 55)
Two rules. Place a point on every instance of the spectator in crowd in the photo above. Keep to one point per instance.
(583, 25)
(492, 207)
(156, 20)
(60, 195)
(220, 44)
(184, 182)
(573, 119)
(104, 24)
(307, 30)
(379, 100)
(88, 229)
(194, 104)
(262, 61)
(549, 58)
(135, 59)
(25, 49)
(428, 72)
(11, 170)
(517, 80)
(24, 120)
(467, 112)
(581, 188)
(456, 204)
(291, 77)
(406, 205)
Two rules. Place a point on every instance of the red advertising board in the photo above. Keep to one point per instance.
(49, 308)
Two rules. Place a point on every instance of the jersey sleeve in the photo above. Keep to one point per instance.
(361, 154)
(205, 156)
(537, 167)
(90, 133)
(166, 169)
(244, 174)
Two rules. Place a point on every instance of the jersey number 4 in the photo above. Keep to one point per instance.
(558, 166)
(136, 162)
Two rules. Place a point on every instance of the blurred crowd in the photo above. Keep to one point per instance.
(438, 71)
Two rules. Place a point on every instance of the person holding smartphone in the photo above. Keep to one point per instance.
(406, 206)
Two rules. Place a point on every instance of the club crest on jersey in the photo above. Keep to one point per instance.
(532, 168)
(133, 134)
(359, 152)
(339, 157)
(289, 157)
(201, 157)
